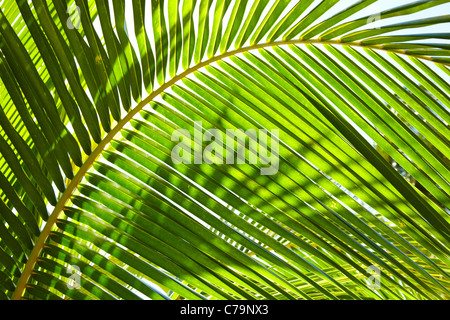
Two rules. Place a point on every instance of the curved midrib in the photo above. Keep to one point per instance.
(107, 139)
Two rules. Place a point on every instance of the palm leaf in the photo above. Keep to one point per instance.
(92, 94)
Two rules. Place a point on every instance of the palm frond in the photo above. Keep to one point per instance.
(93, 206)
